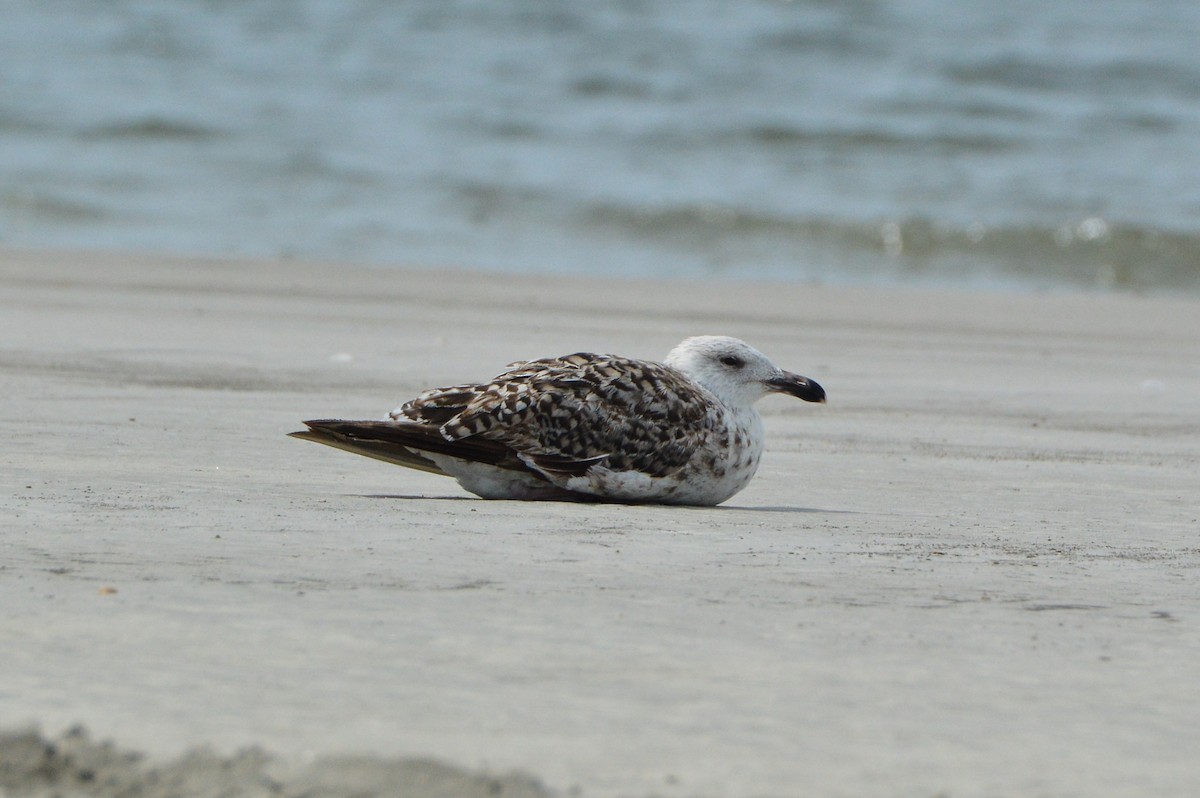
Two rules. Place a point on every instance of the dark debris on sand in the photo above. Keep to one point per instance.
(75, 766)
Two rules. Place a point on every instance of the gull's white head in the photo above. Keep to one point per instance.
(737, 373)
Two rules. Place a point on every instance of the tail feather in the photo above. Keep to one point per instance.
(388, 453)
(403, 443)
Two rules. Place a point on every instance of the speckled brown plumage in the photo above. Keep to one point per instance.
(579, 409)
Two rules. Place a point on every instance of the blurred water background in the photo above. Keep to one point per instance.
(1024, 145)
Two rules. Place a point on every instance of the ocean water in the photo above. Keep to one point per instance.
(1020, 145)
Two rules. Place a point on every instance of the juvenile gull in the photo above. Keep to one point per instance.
(588, 427)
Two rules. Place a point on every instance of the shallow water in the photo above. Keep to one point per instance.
(974, 144)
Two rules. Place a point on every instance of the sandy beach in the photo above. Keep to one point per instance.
(975, 572)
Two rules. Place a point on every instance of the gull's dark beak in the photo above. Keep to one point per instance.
(795, 385)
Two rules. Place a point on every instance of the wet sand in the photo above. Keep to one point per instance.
(974, 572)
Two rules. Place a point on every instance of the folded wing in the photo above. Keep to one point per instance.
(554, 419)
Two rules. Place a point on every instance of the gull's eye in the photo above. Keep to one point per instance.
(733, 361)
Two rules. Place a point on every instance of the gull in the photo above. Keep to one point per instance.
(589, 427)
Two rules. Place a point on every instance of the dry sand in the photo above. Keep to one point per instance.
(973, 573)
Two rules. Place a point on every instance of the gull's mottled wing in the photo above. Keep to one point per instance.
(561, 416)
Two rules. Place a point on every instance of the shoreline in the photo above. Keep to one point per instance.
(971, 573)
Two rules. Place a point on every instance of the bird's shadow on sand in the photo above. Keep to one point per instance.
(783, 509)
(681, 508)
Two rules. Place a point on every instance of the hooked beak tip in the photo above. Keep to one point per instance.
(800, 387)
